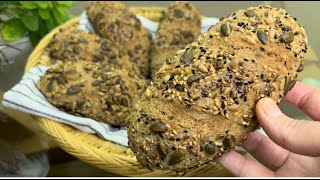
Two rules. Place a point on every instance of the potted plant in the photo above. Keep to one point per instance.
(22, 25)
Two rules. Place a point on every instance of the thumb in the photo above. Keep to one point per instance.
(297, 136)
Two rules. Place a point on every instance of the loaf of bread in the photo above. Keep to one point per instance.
(179, 26)
(92, 89)
(73, 44)
(202, 102)
(114, 21)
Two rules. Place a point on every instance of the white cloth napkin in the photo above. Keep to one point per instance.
(27, 98)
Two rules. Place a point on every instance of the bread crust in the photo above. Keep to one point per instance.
(202, 103)
(91, 89)
(114, 21)
(179, 26)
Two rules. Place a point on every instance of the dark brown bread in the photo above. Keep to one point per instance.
(91, 89)
(202, 103)
(180, 25)
(114, 21)
(73, 44)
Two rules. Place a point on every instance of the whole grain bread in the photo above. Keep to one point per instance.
(179, 26)
(113, 20)
(94, 90)
(73, 44)
(202, 103)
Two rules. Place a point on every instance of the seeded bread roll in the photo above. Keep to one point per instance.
(91, 89)
(179, 26)
(113, 20)
(202, 103)
(73, 44)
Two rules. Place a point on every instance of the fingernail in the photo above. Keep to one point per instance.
(270, 108)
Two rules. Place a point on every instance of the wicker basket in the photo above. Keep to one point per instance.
(89, 147)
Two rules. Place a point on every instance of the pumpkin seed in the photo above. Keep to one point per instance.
(262, 36)
(186, 57)
(50, 86)
(65, 44)
(112, 55)
(289, 84)
(163, 149)
(109, 101)
(193, 78)
(158, 127)
(250, 13)
(71, 72)
(76, 50)
(300, 68)
(226, 29)
(229, 141)
(73, 90)
(169, 60)
(210, 149)
(61, 79)
(80, 104)
(96, 82)
(105, 68)
(178, 13)
(98, 57)
(176, 157)
(82, 40)
(287, 37)
(125, 102)
(147, 164)
(103, 88)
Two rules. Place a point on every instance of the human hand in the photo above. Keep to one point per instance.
(293, 146)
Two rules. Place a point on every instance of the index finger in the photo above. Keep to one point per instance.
(306, 98)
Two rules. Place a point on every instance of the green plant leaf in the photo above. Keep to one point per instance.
(6, 3)
(44, 14)
(43, 29)
(18, 12)
(59, 14)
(31, 22)
(65, 3)
(13, 30)
(29, 4)
(43, 4)
(50, 4)
(51, 23)
(34, 38)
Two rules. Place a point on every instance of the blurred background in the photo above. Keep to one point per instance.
(33, 149)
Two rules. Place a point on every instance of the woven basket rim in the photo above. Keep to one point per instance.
(89, 147)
